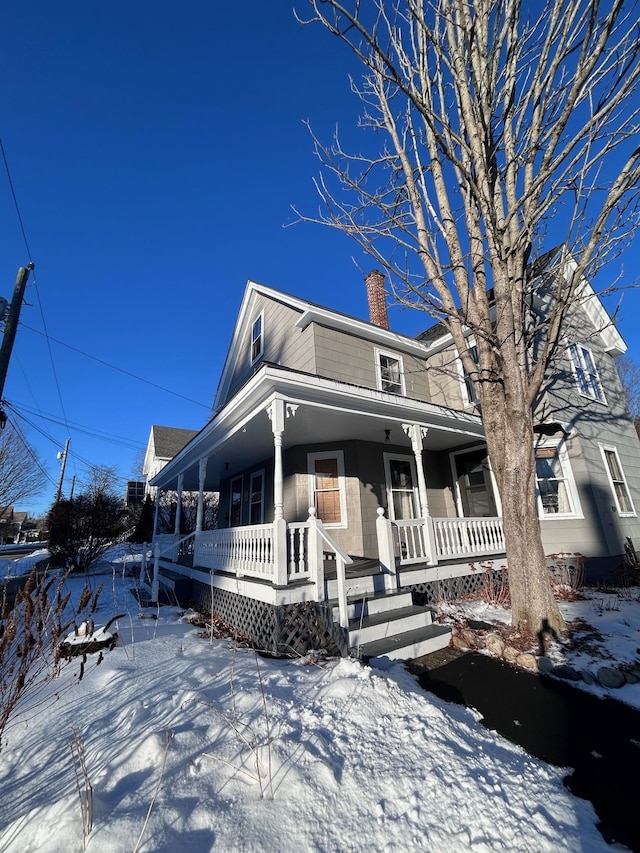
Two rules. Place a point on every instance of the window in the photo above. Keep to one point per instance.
(257, 345)
(469, 385)
(400, 474)
(556, 489)
(235, 503)
(584, 369)
(389, 373)
(327, 485)
(617, 481)
(256, 501)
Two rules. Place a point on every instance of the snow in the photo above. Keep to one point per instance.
(202, 745)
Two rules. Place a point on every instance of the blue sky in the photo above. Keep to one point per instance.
(155, 151)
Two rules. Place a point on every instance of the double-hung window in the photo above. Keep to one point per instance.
(390, 374)
(470, 391)
(235, 503)
(257, 338)
(402, 498)
(327, 487)
(617, 481)
(556, 489)
(586, 374)
(256, 498)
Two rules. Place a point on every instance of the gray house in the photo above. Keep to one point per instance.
(354, 485)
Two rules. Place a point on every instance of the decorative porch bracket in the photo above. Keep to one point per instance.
(417, 434)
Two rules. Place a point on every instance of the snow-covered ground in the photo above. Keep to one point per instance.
(199, 745)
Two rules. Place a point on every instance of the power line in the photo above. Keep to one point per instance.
(34, 279)
(115, 367)
(130, 444)
(15, 202)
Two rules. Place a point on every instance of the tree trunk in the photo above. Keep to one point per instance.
(511, 451)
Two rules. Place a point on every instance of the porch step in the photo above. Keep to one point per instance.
(387, 624)
(176, 586)
(367, 605)
(408, 645)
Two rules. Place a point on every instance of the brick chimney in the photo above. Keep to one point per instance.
(377, 299)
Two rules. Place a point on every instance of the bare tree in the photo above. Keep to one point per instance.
(629, 373)
(21, 472)
(498, 127)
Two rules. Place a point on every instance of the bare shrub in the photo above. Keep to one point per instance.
(31, 628)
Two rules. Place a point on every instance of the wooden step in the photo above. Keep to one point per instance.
(406, 646)
(388, 624)
(357, 605)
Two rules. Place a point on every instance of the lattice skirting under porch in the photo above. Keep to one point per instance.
(286, 629)
(449, 589)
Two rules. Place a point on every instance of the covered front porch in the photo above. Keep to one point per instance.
(396, 463)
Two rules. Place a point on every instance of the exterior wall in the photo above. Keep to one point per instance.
(437, 468)
(347, 358)
(446, 383)
(283, 343)
(297, 500)
(600, 531)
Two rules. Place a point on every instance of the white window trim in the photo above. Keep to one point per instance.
(613, 449)
(572, 490)
(342, 484)
(404, 457)
(259, 317)
(456, 486)
(602, 400)
(396, 357)
(254, 476)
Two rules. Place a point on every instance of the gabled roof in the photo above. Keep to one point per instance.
(169, 441)
(552, 261)
(309, 313)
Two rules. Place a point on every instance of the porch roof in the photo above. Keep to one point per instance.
(320, 411)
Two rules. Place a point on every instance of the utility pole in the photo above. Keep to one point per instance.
(63, 461)
(11, 323)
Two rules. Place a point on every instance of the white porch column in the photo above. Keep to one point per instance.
(156, 513)
(278, 411)
(417, 434)
(202, 473)
(176, 527)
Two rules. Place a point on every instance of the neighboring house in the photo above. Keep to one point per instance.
(164, 443)
(353, 476)
(13, 525)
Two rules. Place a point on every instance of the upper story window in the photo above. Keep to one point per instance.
(617, 481)
(257, 338)
(390, 373)
(470, 394)
(584, 368)
(557, 493)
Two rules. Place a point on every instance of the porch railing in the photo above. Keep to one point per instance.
(451, 538)
(468, 537)
(252, 551)
(247, 551)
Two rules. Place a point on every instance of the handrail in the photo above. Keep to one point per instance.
(342, 560)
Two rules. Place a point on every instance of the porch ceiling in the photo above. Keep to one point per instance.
(324, 414)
